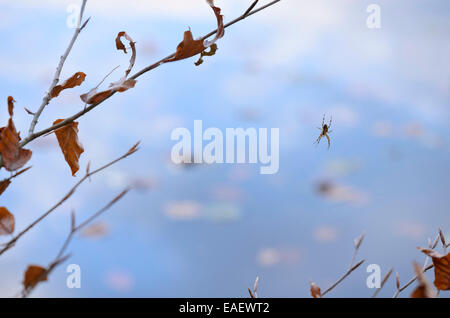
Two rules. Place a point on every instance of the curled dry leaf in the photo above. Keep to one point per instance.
(7, 222)
(190, 47)
(212, 51)
(441, 268)
(424, 289)
(14, 157)
(76, 80)
(122, 85)
(315, 290)
(33, 275)
(70, 146)
(121, 46)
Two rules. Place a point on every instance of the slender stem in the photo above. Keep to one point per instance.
(385, 279)
(73, 230)
(343, 277)
(47, 97)
(12, 242)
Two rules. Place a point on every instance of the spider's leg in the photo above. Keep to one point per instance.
(331, 119)
(328, 138)
(318, 139)
(329, 131)
(319, 128)
(323, 120)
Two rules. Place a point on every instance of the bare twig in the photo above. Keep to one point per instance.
(385, 279)
(16, 174)
(254, 293)
(68, 120)
(59, 259)
(12, 242)
(343, 277)
(55, 81)
(357, 244)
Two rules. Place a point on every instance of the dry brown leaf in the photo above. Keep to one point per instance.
(14, 157)
(3, 185)
(33, 275)
(122, 85)
(70, 145)
(10, 105)
(190, 47)
(315, 290)
(7, 222)
(424, 289)
(120, 46)
(94, 97)
(441, 268)
(76, 80)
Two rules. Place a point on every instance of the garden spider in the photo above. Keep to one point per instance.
(324, 131)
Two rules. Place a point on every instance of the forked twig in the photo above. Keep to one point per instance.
(357, 244)
(88, 174)
(60, 257)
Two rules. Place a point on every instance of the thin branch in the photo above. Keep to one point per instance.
(47, 97)
(12, 242)
(343, 277)
(69, 120)
(385, 279)
(73, 230)
(254, 293)
(357, 244)
(15, 175)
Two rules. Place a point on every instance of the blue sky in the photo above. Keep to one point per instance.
(208, 231)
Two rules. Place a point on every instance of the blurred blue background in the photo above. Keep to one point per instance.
(208, 231)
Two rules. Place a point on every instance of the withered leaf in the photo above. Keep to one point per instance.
(14, 157)
(315, 290)
(122, 85)
(3, 185)
(94, 97)
(76, 80)
(10, 105)
(190, 47)
(424, 289)
(121, 46)
(441, 268)
(7, 222)
(212, 51)
(33, 275)
(70, 146)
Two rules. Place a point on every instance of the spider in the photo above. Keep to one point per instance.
(324, 131)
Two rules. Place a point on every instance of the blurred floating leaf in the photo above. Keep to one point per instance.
(341, 193)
